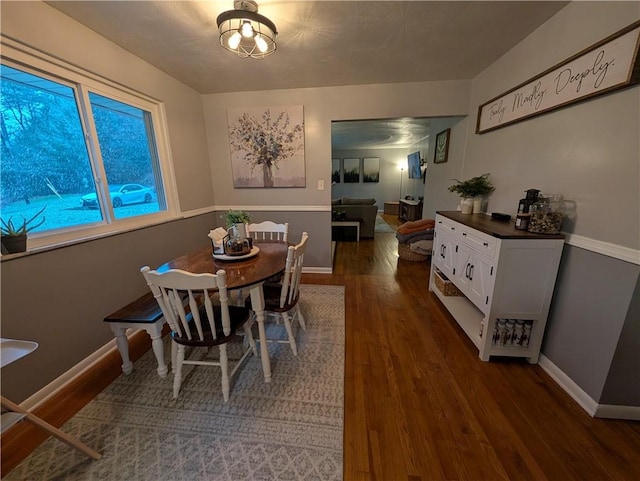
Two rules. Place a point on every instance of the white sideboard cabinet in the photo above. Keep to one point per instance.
(504, 278)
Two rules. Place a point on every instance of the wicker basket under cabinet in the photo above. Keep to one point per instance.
(444, 285)
(405, 252)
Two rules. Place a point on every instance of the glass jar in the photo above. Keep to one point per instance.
(236, 245)
(526, 334)
(502, 332)
(547, 214)
(518, 332)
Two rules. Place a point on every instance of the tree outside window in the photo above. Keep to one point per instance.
(46, 159)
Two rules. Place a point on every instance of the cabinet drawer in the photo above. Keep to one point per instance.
(479, 241)
(450, 227)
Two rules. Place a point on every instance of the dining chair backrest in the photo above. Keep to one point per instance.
(293, 272)
(174, 288)
(269, 231)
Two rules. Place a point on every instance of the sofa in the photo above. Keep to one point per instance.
(364, 210)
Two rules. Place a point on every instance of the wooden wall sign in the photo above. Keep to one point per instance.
(609, 65)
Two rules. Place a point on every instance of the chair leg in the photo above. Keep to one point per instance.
(177, 379)
(303, 325)
(62, 436)
(292, 339)
(174, 348)
(248, 338)
(224, 366)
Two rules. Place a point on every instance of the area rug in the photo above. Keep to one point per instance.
(289, 429)
(382, 226)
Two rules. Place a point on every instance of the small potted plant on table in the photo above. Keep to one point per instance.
(240, 219)
(14, 235)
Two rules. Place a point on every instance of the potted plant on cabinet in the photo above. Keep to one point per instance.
(472, 192)
(14, 235)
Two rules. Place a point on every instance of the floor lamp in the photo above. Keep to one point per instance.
(401, 174)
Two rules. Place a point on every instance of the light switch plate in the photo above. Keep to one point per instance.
(321, 185)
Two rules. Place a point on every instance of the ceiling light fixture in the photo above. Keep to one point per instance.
(245, 32)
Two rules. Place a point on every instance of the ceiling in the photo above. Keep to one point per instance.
(379, 133)
(320, 43)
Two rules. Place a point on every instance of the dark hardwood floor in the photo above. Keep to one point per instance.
(419, 403)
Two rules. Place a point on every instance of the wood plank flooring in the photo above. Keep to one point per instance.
(419, 403)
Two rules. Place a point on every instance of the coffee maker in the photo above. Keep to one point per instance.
(524, 206)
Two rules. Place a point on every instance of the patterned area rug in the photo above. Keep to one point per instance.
(382, 226)
(289, 429)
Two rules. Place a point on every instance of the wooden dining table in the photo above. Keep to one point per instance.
(242, 274)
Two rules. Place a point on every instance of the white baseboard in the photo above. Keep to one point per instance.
(569, 386)
(38, 398)
(317, 270)
(583, 399)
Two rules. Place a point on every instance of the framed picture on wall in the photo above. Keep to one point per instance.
(371, 169)
(278, 161)
(351, 171)
(442, 147)
(335, 170)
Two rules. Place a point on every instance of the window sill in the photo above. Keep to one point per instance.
(88, 238)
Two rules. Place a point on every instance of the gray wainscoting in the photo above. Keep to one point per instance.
(591, 334)
(59, 297)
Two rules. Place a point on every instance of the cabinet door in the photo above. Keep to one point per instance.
(481, 278)
(462, 267)
(473, 274)
(443, 252)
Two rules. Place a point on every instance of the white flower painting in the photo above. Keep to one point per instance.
(267, 147)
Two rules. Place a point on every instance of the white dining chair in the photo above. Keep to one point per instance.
(197, 321)
(282, 299)
(269, 231)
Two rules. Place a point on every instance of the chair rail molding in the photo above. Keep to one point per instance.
(605, 248)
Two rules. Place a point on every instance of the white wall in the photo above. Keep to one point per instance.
(45, 28)
(590, 152)
(321, 106)
(439, 176)
(388, 189)
(78, 285)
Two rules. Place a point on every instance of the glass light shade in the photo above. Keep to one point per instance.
(261, 41)
(247, 29)
(234, 40)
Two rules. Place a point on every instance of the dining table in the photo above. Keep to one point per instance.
(243, 273)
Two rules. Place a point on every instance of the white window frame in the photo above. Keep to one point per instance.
(16, 55)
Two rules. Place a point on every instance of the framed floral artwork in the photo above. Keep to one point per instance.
(267, 147)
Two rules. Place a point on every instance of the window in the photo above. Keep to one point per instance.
(88, 152)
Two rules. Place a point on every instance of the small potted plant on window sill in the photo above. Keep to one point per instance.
(472, 192)
(14, 235)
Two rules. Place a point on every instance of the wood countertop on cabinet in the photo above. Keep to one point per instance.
(502, 230)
